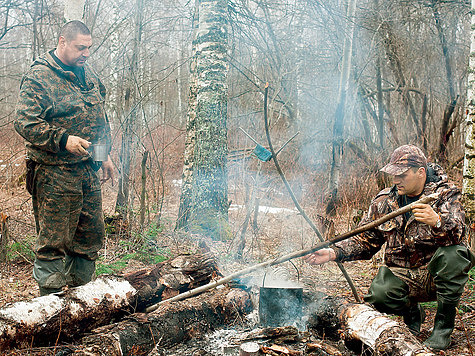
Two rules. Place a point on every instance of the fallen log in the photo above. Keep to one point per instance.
(361, 322)
(169, 325)
(67, 315)
(170, 278)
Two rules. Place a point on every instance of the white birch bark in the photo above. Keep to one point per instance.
(70, 312)
(73, 9)
(383, 335)
(469, 160)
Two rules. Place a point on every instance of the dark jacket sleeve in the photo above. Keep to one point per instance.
(32, 110)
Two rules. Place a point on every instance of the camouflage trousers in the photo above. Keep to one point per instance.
(394, 289)
(67, 204)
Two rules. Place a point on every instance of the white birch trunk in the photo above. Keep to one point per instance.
(67, 313)
(209, 213)
(469, 160)
(73, 10)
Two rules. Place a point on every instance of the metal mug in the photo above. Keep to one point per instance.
(99, 152)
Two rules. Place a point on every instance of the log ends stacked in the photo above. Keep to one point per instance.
(170, 278)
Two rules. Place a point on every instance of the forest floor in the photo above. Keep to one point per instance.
(279, 229)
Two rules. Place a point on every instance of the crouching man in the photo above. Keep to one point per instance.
(425, 257)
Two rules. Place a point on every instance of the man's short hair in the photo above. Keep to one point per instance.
(72, 29)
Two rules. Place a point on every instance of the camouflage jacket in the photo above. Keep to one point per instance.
(51, 103)
(412, 245)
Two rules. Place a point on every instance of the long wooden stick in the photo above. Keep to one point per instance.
(424, 200)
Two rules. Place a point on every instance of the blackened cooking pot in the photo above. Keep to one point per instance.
(280, 306)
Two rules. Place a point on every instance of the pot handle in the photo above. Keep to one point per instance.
(298, 274)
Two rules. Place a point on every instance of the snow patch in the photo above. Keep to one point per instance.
(266, 209)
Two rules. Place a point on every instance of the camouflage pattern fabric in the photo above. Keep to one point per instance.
(67, 199)
(67, 203)
(413, 245)
(52, 103)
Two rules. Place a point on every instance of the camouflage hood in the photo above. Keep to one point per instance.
(52, 103)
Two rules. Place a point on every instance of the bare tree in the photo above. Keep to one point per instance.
(337, 145)
(130, 122)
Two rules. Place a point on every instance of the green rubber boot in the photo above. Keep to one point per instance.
(414, 318)
(79, 271)
(49, 275)
(444, 323)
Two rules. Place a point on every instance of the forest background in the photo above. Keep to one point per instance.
(354, 79)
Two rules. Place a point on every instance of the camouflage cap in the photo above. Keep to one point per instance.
(403, 158)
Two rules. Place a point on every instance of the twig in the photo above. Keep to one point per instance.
(294, 198)
(470, 349)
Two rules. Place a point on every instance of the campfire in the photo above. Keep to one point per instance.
(242, 317)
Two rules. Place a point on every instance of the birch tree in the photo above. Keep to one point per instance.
(73, 10)
(184, 210)
(209, 194)
(469, 160)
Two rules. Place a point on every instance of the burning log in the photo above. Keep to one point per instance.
(322, 347)
(279, 334)
(170, 324)
(62, 316)
(361, 322)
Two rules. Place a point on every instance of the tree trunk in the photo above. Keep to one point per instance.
(73, 10)
(130, 121)
(469, 160)
(209, 211)
(64, 316)
(337, 148)
(392, 48)
(3, 237)
(184, 210)
(170, 324)
(143, 191)
(445, 133)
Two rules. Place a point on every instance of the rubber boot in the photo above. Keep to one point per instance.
(79, 271)
(444, 323)
(414, 318)
(49, 275)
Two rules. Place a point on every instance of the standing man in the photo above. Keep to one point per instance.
(425, 258)
(60, 113)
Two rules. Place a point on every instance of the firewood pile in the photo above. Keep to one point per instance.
(105, 317)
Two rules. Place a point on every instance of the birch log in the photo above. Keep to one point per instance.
(64, 314)
(374, 329)
(170, 324)
(67, 315)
